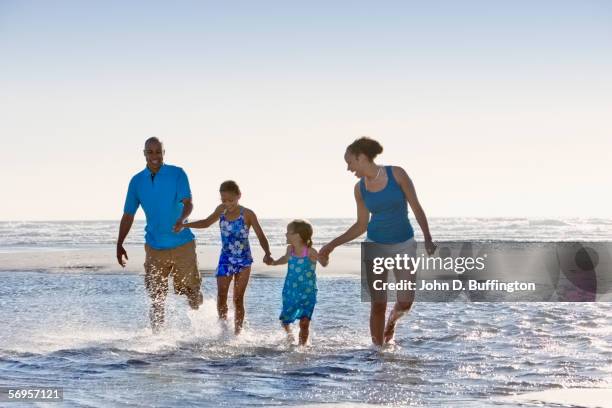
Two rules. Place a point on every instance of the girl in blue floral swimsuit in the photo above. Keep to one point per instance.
(235, 259)
(300, 288)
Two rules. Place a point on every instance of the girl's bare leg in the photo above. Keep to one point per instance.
(287, 328)
(304, 330)
(240, 284)
(223, 284)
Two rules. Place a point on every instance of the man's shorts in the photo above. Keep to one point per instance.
(180, 262)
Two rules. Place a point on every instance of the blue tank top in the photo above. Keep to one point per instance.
(389, 222)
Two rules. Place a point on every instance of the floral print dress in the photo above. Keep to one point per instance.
(235, 251)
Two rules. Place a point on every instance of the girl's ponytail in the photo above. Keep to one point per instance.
(304, 229)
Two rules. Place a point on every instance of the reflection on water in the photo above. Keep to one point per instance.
(88, 334)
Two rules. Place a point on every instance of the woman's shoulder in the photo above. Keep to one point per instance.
(399, 173)
(357, 188)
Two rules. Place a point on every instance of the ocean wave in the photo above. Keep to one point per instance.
(550, 223)
(77, 234)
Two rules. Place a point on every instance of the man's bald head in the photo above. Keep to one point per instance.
(153, 140)
(154, 153)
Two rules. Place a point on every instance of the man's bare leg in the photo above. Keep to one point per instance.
(156, 282)
(195, 298)
(157, 312)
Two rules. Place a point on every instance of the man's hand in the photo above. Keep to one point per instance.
(120, 254)
(187, 207)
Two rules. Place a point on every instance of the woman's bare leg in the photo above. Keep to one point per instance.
(377, 321)
(399, 309)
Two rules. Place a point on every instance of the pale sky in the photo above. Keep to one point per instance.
(493, 108)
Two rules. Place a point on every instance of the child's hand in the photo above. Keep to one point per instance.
(268, 259)
(178, 227)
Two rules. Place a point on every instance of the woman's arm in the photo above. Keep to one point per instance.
(207, 222)
(359, 227)
(251, 219)
(409, 191)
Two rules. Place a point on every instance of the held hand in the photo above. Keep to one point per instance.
(323, 260)
(325, 251)
(430, 247)
(268, 259)
(120, 254)
(178, 227)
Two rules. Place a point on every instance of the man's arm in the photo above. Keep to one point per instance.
(187, 208)
(124, 229)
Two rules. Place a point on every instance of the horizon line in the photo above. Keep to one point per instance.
(531, 217)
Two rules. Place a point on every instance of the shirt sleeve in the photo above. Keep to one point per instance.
(131, 200)
(183, 190)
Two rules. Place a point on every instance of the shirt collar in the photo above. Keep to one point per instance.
(162, 169)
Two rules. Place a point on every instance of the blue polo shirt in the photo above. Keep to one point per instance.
(161, 199)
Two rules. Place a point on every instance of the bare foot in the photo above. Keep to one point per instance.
(390, 328)
(290, 339)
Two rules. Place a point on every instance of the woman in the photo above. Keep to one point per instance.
(382, 191)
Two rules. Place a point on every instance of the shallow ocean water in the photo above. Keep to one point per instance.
(87, 331)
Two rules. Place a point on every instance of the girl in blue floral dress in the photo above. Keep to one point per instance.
(235, 259)
(300, 288)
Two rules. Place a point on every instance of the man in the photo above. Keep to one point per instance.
(163, 192)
